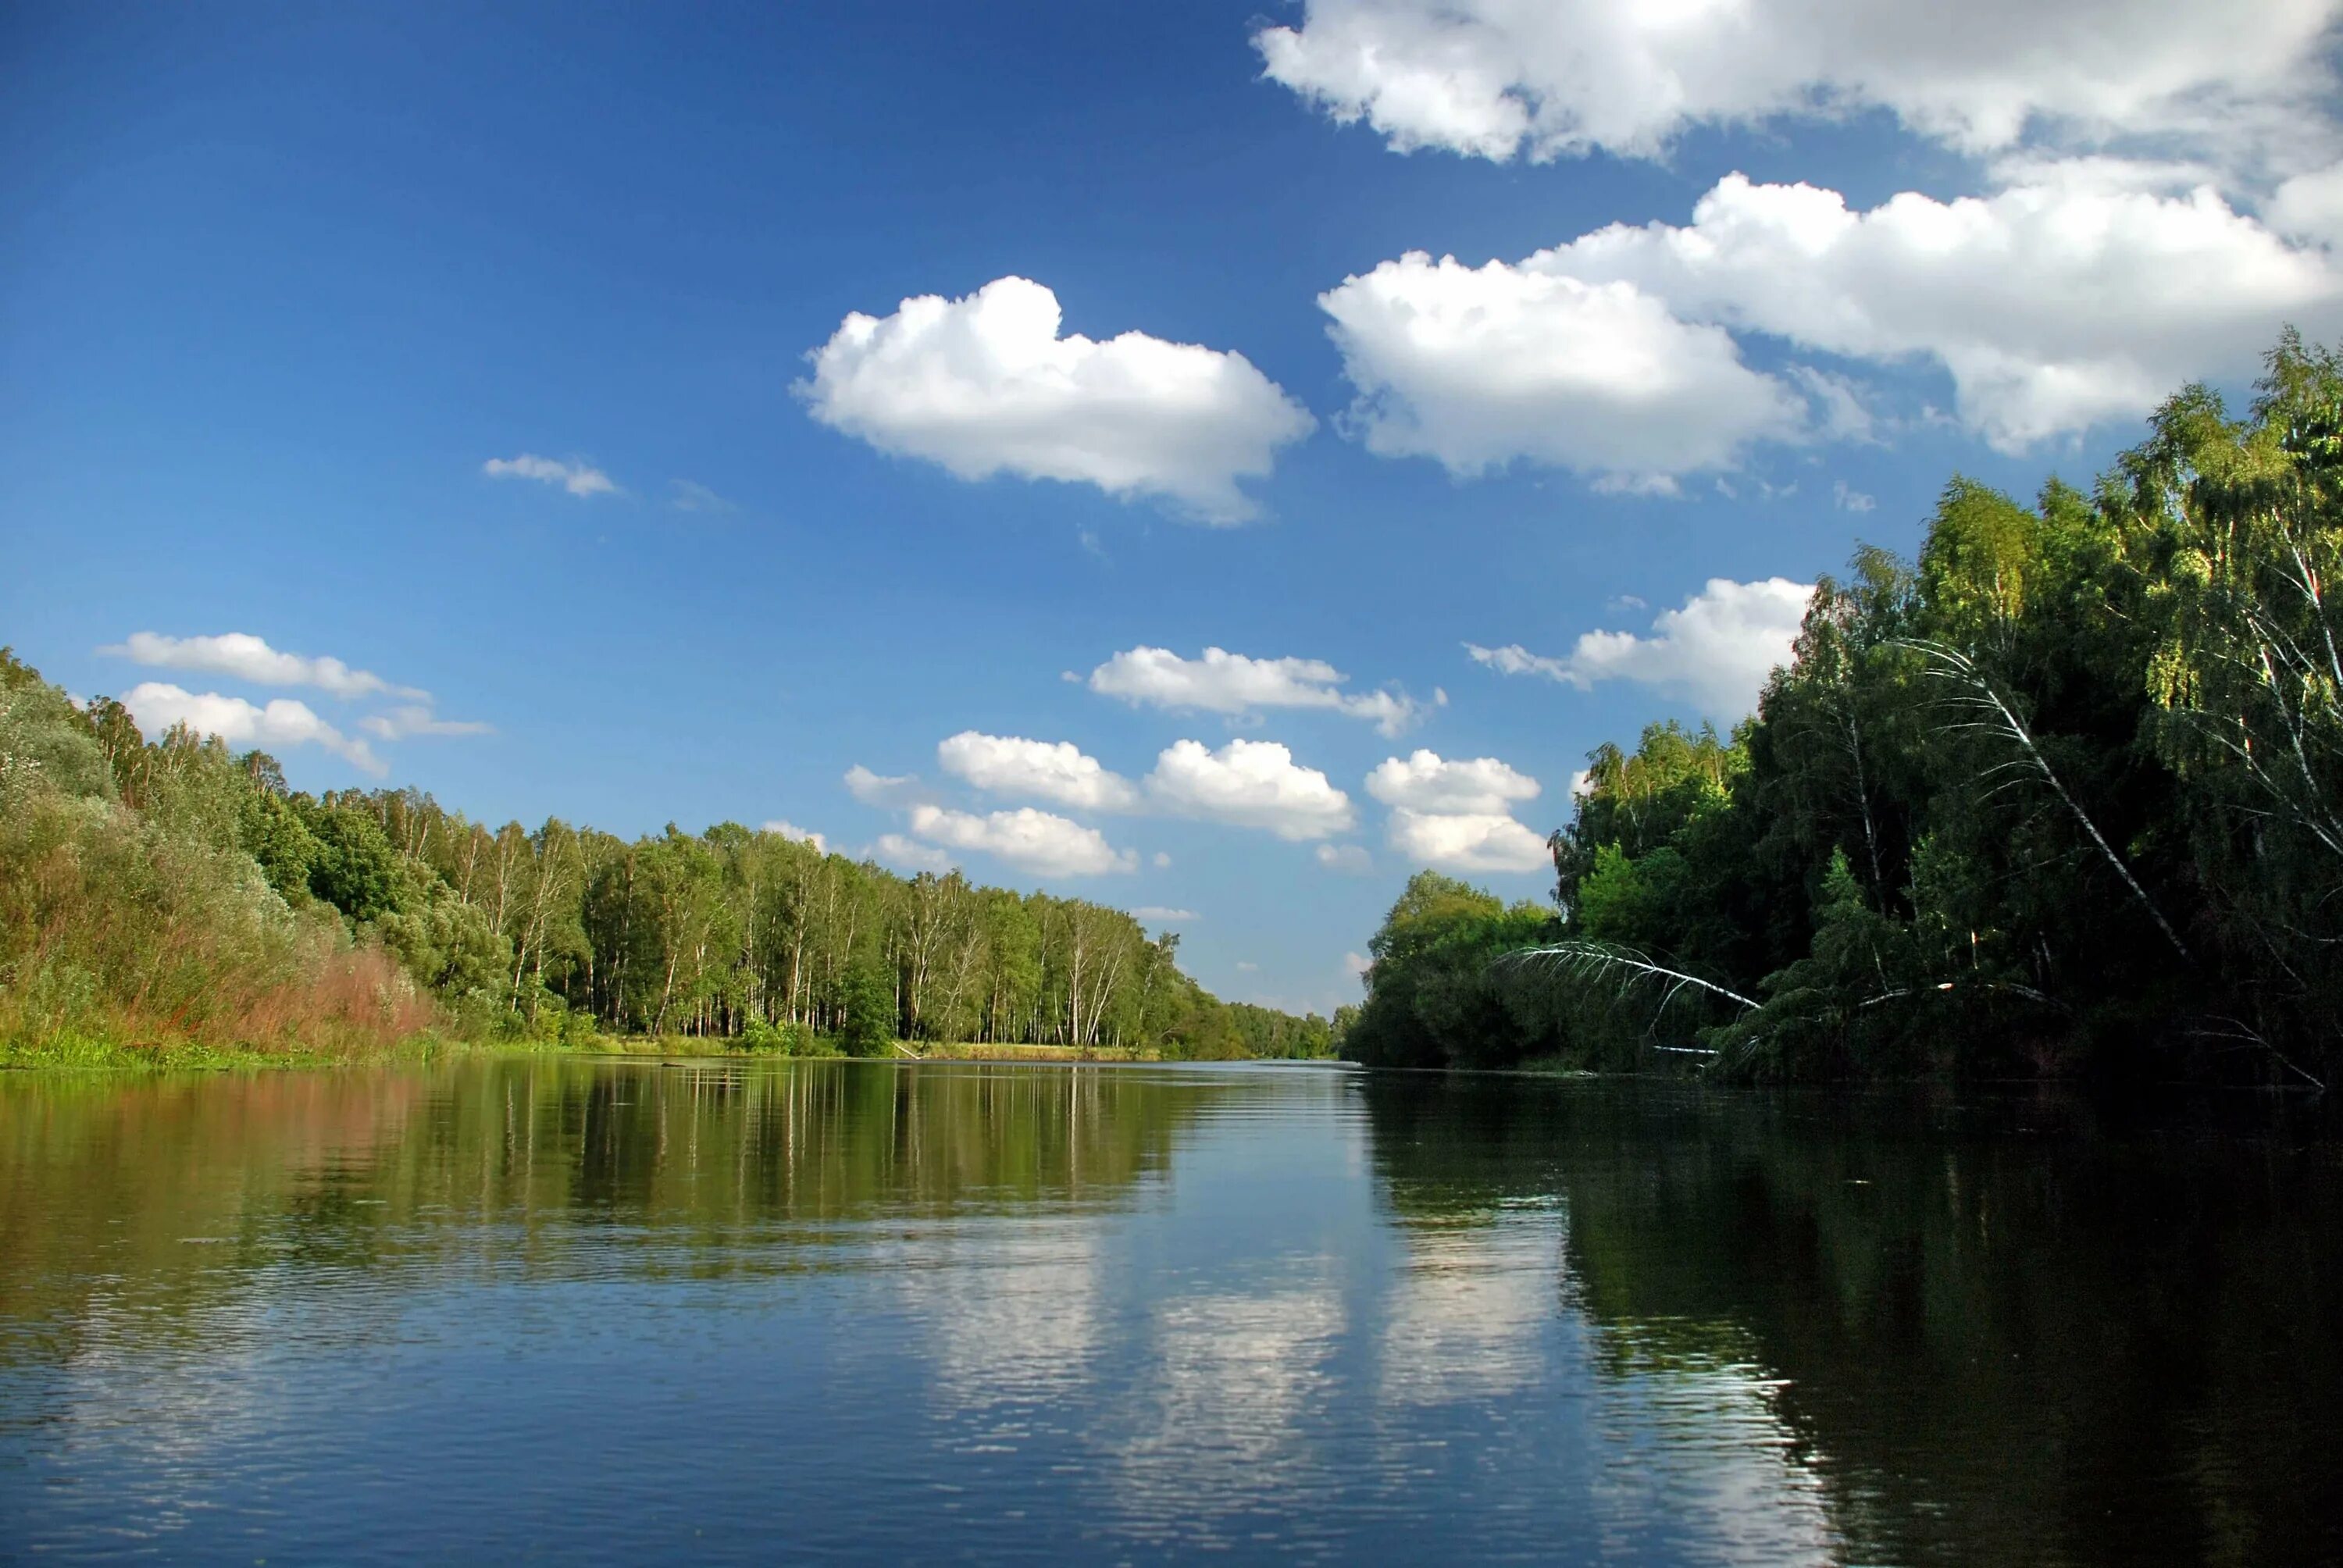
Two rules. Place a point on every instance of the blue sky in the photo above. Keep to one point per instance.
(475, 348)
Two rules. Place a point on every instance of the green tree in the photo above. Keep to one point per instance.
(866, 1010)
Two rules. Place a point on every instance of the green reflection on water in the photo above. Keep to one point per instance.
(166, 1189)
(2001, 1331)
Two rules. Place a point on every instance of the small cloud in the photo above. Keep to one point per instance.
(796, 834)
(1051, 770)
(883, 788)
(1467, 840)
(578, 477)
(1040, 843)
(1239, 686)
(1428, 782)
(1159, 913)
(1163, 858)
(1246, 967)
(990, 384)
(1248, 784)
(1716, 651)
(399, 723)
(1849, 500)
(1356, 964)
(689, 495)
(1349, 858)
(909, 854)
(1479, 368)
(244, 657)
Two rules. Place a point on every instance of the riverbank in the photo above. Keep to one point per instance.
(79, 1053)
(701, 1046)
(72, 1053)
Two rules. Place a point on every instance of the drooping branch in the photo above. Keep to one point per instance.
(1947, 663)
(2250, 1037)
(1586, 959)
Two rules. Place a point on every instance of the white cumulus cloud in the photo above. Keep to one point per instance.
(1159, 913)
(1249, 783)
(1051, 770)
(2081, 292)
(283, 721)
(1716, 651)
(1427, 781)
(1467, 840)
(2053, 304)
(987, 385)
(1234, 683)
(1476, 367)
(1345, 858)
(1458, 814)
(1036, 841)
(244, 657)
(580, 478)
(790, 830)
(1548, 78)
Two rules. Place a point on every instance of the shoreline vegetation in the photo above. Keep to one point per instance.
(2061, 798)
(172, 903)
(86, 1054)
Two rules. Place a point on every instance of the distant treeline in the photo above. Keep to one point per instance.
(172, 890)
(2065, 794)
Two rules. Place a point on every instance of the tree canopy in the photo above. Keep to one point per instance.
(174, 888)
(2064, 794)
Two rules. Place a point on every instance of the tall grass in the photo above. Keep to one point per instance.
(125, 932)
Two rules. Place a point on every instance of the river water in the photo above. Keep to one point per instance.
(619, 1312)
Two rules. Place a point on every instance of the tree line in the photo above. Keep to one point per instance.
(175, 888)
(2062, 795)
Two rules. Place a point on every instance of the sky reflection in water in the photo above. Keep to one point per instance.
(612, 1310)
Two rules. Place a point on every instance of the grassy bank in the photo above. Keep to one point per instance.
(88, 1053)
(85, 1053)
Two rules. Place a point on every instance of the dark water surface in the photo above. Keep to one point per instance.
(618, 1311)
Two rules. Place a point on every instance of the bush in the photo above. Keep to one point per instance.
(868, 1005)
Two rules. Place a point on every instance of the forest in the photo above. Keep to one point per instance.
(2062, 796)
(164, 892)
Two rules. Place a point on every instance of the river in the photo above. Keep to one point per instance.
(616, 1311)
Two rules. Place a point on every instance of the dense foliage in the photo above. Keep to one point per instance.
(173, 890)
(2064, 795)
